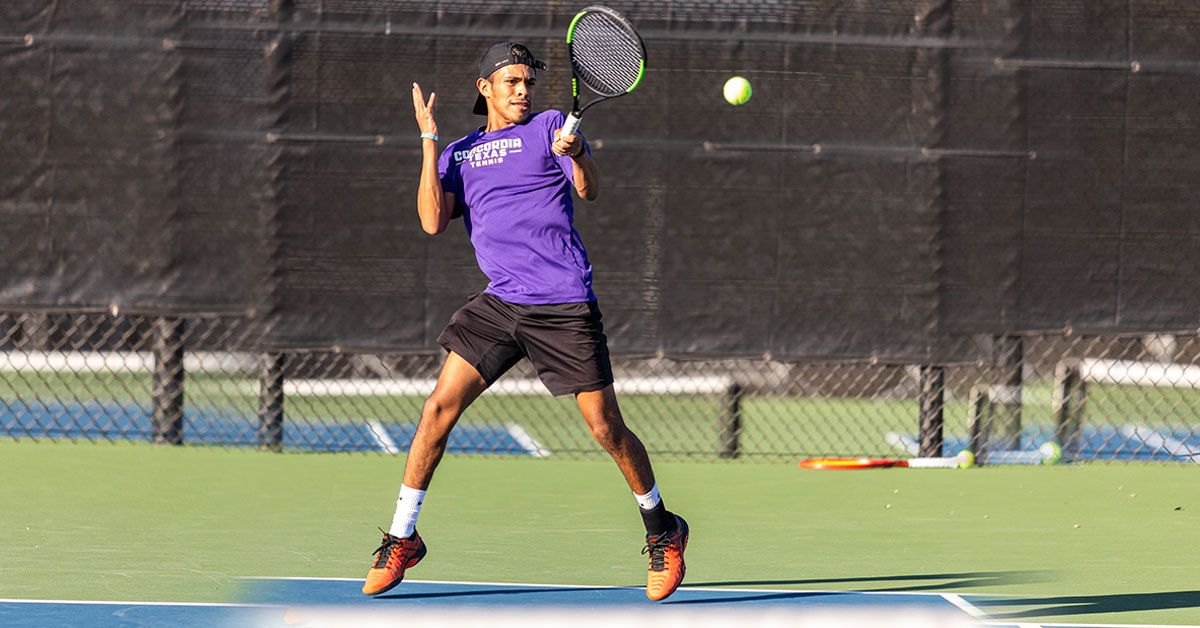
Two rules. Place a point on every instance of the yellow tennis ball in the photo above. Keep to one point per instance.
(965, 459)
(737, 90)
(1051, 452)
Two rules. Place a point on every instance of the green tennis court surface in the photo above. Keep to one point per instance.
(1087, 545)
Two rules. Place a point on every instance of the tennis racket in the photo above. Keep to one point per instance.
(826, 464)
(607, 56)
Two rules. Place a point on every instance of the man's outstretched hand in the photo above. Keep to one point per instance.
(424, 110)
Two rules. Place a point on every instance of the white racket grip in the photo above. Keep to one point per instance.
(570, 125)
(933, 463)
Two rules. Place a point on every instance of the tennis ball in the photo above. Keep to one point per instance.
(737, 90)
(1051, 453)
(965, 459)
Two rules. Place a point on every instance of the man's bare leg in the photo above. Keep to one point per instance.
(666, 533)
(604, 419)
(458, 386)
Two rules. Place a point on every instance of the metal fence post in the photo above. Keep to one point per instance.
(1069, 393)
(932, 382)
(270, 403)
(168, 402)
(731, 421)
(978, 422)
(1006, 415)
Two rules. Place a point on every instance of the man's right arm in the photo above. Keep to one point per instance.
(434, 205)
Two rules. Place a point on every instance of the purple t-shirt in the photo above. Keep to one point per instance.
(514, 195)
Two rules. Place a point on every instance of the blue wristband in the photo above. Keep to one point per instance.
(430, 136)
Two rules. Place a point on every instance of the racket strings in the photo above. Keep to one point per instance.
(607, 57)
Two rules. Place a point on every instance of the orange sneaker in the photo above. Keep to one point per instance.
(395, 556)
(666, 561)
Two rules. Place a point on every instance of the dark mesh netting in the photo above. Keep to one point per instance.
(908, 176)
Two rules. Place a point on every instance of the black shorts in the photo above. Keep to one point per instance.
(565, 342)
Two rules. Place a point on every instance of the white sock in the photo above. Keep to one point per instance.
(407, 507)
(649, 500)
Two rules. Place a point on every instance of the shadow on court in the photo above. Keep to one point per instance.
(488, 592)
(756, 597)
(1086, 604)
(924, 582)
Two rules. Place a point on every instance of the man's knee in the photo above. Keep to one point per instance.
(439, 409)
(609, 434)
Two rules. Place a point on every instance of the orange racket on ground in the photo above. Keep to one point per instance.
(828, 464)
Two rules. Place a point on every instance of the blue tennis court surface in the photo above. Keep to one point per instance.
(425, 593)
(318, 602)
(59, 614)
(212, 426)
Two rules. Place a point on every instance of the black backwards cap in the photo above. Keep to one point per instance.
(498, 56)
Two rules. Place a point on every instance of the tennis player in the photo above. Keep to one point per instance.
(510, 181)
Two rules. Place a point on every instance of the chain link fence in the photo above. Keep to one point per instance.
(194, 382)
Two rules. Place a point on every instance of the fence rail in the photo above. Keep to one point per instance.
(198, 382)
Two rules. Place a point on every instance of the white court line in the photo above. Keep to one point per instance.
(903, 442)
(526, 441)
(468, 582)
(382, 438)
(964, 606)
(1151, 438)
(610, 586)
(983, 617)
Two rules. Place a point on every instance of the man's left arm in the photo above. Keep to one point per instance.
(586, 174)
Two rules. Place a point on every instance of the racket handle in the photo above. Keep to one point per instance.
(933, 463)
(571, 124)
